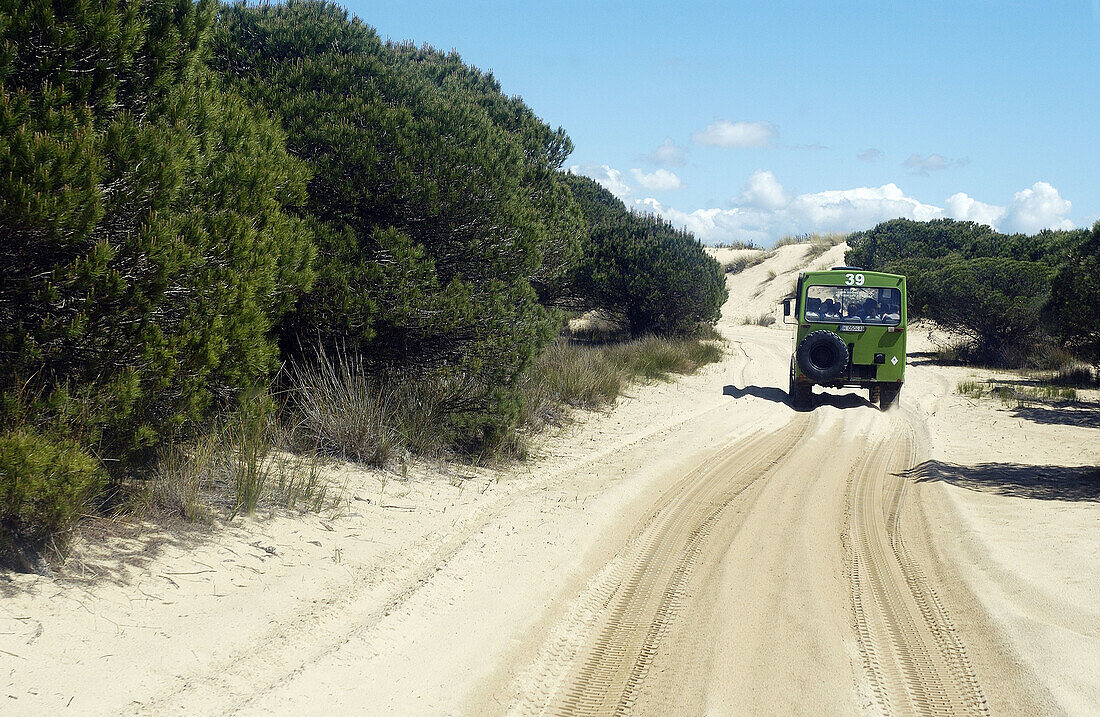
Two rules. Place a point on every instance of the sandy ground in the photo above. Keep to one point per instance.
(701, 549)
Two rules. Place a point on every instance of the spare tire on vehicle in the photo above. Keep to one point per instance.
(822, 355)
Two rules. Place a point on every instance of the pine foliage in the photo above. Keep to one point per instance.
(146, 247)
(44, 485)
(656, 277)
(994, 288)
(1073, 310)
(434, 199)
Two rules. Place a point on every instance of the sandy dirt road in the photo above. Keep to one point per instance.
(702, 549)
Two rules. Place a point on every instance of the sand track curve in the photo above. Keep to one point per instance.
(628, 608)
(910, 648)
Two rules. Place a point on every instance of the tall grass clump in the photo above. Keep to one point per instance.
(973, 389)
(249, 439)
(739, 264)
(1017, 396)
(765, 319)
(300, 483)
(819, 243)
(230, 463)
(182, 473)
(343, 408)
(569, 375)
(737, 244)
(654, 357)
(236, 463)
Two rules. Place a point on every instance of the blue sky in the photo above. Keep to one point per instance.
(750, 121)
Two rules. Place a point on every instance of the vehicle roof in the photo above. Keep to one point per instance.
(837, 277)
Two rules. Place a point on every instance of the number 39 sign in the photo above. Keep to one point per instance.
(853, 279)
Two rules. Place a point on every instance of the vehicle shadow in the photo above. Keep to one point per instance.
(1080, 483)
(842, 400)
(920, 358)
(778, 395)
(768, 393)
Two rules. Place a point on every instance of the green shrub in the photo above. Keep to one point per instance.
(657, 278)
(435, 199)
(994, 302)
(900, 239)
(1017, 291)
(45, 484)
(146, 253)
(1073, 310)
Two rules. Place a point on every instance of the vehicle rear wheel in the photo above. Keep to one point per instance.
(800, 393)
(888, 395)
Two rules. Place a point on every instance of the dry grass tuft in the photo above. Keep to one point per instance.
(765, 319)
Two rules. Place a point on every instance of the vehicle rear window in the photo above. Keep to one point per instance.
(853, 304)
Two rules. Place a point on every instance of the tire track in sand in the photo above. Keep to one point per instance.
(910, 649)
(603, 650)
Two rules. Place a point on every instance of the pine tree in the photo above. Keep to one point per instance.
(147, 251)
(1073, 310)
(641, 268)
(428, 236)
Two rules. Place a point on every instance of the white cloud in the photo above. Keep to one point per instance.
(923, 166)
(763, 190)
(725, 133)
(871, 155)
(611, 179)
(660, 181)
(1036, 208)
(765, 211)
(717, 225)
(830, 211)
(965, 208)
(852, 209)
(668, 154)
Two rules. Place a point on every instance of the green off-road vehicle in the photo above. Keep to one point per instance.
(851, 332)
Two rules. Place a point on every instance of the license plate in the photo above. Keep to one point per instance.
(856, 329)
